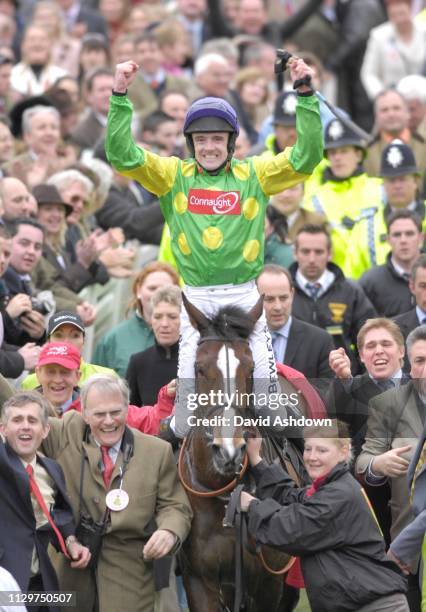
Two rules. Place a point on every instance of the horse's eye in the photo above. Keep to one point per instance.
(199, 370)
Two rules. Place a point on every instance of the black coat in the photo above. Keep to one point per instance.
(18, 534)
(308, 348)
(341, 310)
(150, 370)
(387, 290)
(14, 335)
(141, 221)
(307, 351)
(11, 362)
(407, 322)
(333, 532)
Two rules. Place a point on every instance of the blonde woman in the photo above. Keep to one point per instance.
(52, 214)
(65, 49)
(329, 525)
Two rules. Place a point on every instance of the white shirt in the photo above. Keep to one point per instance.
(325, 280)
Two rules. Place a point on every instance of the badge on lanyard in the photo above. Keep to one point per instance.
(117, 499)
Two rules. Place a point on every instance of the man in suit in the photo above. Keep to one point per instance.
(417, 283)
(80, 19)
(381, 349)
(100, 454)
(300, 345)
(396, 420)
(92, 127)
(30, 484)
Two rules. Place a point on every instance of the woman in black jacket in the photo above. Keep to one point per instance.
(155, 367)
(329, 525)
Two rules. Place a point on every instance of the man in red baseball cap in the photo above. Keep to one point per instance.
(58, 372)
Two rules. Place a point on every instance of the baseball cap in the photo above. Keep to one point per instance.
(60, 353)
(64, 317)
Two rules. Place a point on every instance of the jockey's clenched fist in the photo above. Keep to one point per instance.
(124, 75)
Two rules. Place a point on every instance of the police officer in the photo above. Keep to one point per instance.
(284, 126)
(345, 194)
(368, 245)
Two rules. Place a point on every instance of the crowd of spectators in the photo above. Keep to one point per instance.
(344, 277)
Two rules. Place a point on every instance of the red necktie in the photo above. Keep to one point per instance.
(39, 497)
(108, 465)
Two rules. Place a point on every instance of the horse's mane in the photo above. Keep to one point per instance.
(232, 323)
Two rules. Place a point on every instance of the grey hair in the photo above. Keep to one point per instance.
(222, 46)
(413, 87)
(28, 397)
(107, 385)
(204, 62)
(418, 333)
(65, 178)
(30, 113)
(169, 294)
(105, 175)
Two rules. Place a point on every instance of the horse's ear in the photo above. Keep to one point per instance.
(196, 317)
(256, 312)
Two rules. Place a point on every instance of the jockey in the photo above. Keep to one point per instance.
(215, 207)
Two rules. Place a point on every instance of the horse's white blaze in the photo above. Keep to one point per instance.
(228, 363)
(227, 433)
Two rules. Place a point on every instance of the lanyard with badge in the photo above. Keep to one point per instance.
(117, 499)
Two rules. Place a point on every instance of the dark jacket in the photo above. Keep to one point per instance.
(14, 336)
(75, 276)
(341, 310)
(11, 362)
(333, 532)
(19, 535)
(44, 277)
(121, 209)
(272, 32)
(87, 133)
(387, 290)
(407, 322)
(308, 348)
(150, 370)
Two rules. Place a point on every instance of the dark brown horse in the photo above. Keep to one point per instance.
(213, 459)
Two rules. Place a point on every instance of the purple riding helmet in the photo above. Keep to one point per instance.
(211, 115)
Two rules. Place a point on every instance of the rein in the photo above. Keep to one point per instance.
(229, 487)
(234, 517)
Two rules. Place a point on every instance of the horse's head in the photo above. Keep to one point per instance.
(224, 380)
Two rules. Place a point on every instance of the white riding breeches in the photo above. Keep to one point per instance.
(209, 300)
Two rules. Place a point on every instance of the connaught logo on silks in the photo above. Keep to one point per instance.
(209, 202)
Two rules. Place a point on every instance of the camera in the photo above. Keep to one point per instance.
(90, 533)
(39, 306)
